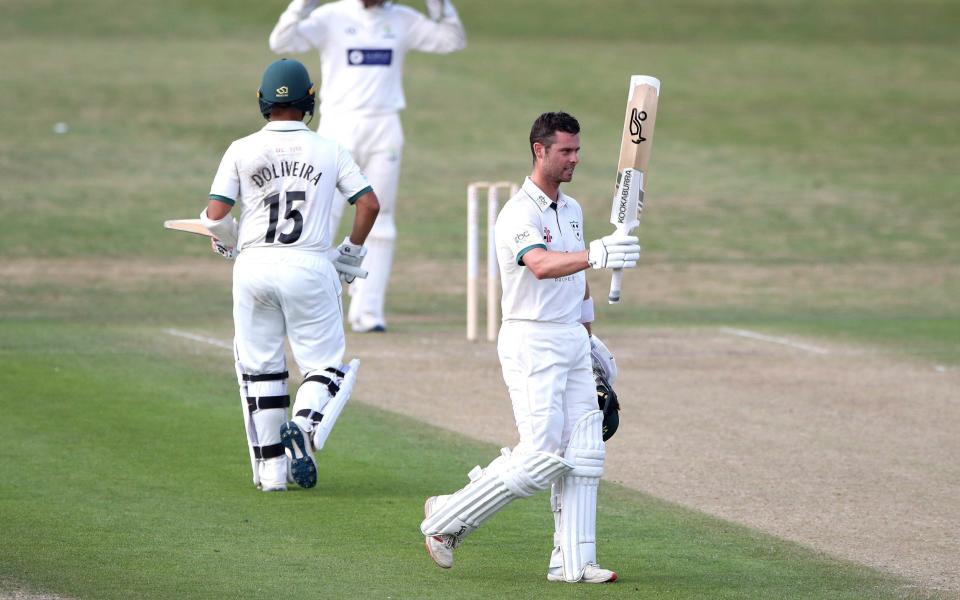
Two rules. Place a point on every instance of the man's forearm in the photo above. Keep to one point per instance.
(545, 264)
(368, 207)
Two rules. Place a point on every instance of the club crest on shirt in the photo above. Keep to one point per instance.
(546, 235)
(575, 225)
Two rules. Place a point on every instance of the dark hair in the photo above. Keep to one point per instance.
(547, 125)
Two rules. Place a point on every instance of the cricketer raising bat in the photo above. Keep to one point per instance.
(635, 145)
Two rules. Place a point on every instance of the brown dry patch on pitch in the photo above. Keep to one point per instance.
(843, 286)
(120, 272)
(851, 452)
(11, 590)
(660, 284)
(654, 284)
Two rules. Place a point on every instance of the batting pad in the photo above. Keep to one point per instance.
(267, 403)
(574, 499)
(348, 378)
(505, 479)
(313, 395)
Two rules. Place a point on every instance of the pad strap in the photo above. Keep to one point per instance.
(313, 415)
(332, 386)
(266, 452)
(255, 403)
(266, 376)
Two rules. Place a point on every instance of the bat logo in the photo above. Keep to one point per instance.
(637, 117)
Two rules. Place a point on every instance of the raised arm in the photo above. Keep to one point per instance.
(442, 33)
(296, 30)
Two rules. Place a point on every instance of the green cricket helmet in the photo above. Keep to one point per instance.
(286, 83)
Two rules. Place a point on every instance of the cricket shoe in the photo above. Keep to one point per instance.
(303, 468)
(592, 573)
(439, 547)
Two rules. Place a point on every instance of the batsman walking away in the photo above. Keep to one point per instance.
(362, 46)
(547, 355)
(283, 178)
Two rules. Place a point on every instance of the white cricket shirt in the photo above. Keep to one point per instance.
(531, 220)
(362, 50)
(283, 177)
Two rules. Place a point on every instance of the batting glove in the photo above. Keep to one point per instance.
(347, 262)
(614, 251)
(228, 252)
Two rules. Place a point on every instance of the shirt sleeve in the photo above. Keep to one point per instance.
(299, 28)
(519, 231)
(351, 182)
(442, 36)
(226, 183)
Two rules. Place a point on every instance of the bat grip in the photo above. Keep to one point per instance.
(615, 281)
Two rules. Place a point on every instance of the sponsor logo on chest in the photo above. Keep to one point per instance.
(369, 57)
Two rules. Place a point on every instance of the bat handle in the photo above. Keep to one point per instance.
(615, 281)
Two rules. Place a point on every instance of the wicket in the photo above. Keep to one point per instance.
(473, 254)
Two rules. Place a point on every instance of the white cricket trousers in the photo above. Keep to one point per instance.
(376, 144)
(281, 293)
(548, 372)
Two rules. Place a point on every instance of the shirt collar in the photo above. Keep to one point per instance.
(285, 126)
(542, 201)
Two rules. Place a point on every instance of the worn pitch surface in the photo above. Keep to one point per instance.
(849, 451)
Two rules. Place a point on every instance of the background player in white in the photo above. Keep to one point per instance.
(362, 45)
(283, 177)
(544, 348)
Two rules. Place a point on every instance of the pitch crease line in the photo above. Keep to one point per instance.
(200, 338)
(774, 339)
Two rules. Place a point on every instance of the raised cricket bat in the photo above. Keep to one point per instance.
(188, 225)
(635, 146)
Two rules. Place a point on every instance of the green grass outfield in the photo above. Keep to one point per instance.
(125, 476)
(820, 135)
(806, 152)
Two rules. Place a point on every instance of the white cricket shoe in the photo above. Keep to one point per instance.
(439, 547)
(592, 573)
(273, 474)
(299, 452)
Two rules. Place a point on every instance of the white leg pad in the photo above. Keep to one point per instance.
(574, 499)
(250, 430)
(264, 400)
(313, 395)
(334, 407)
(490, 489)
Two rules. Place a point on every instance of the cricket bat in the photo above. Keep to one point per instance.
(635, 145)
(188, 225)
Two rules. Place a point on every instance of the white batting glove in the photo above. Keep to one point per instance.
(348, 259)
(306, 7)
(435, 9)
(228, 252)
(614, 251)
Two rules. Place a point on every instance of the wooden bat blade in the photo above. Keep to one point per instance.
(189, 225)
(636, 142)
(639, 122)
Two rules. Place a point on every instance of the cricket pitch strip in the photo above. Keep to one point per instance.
(849, 452)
